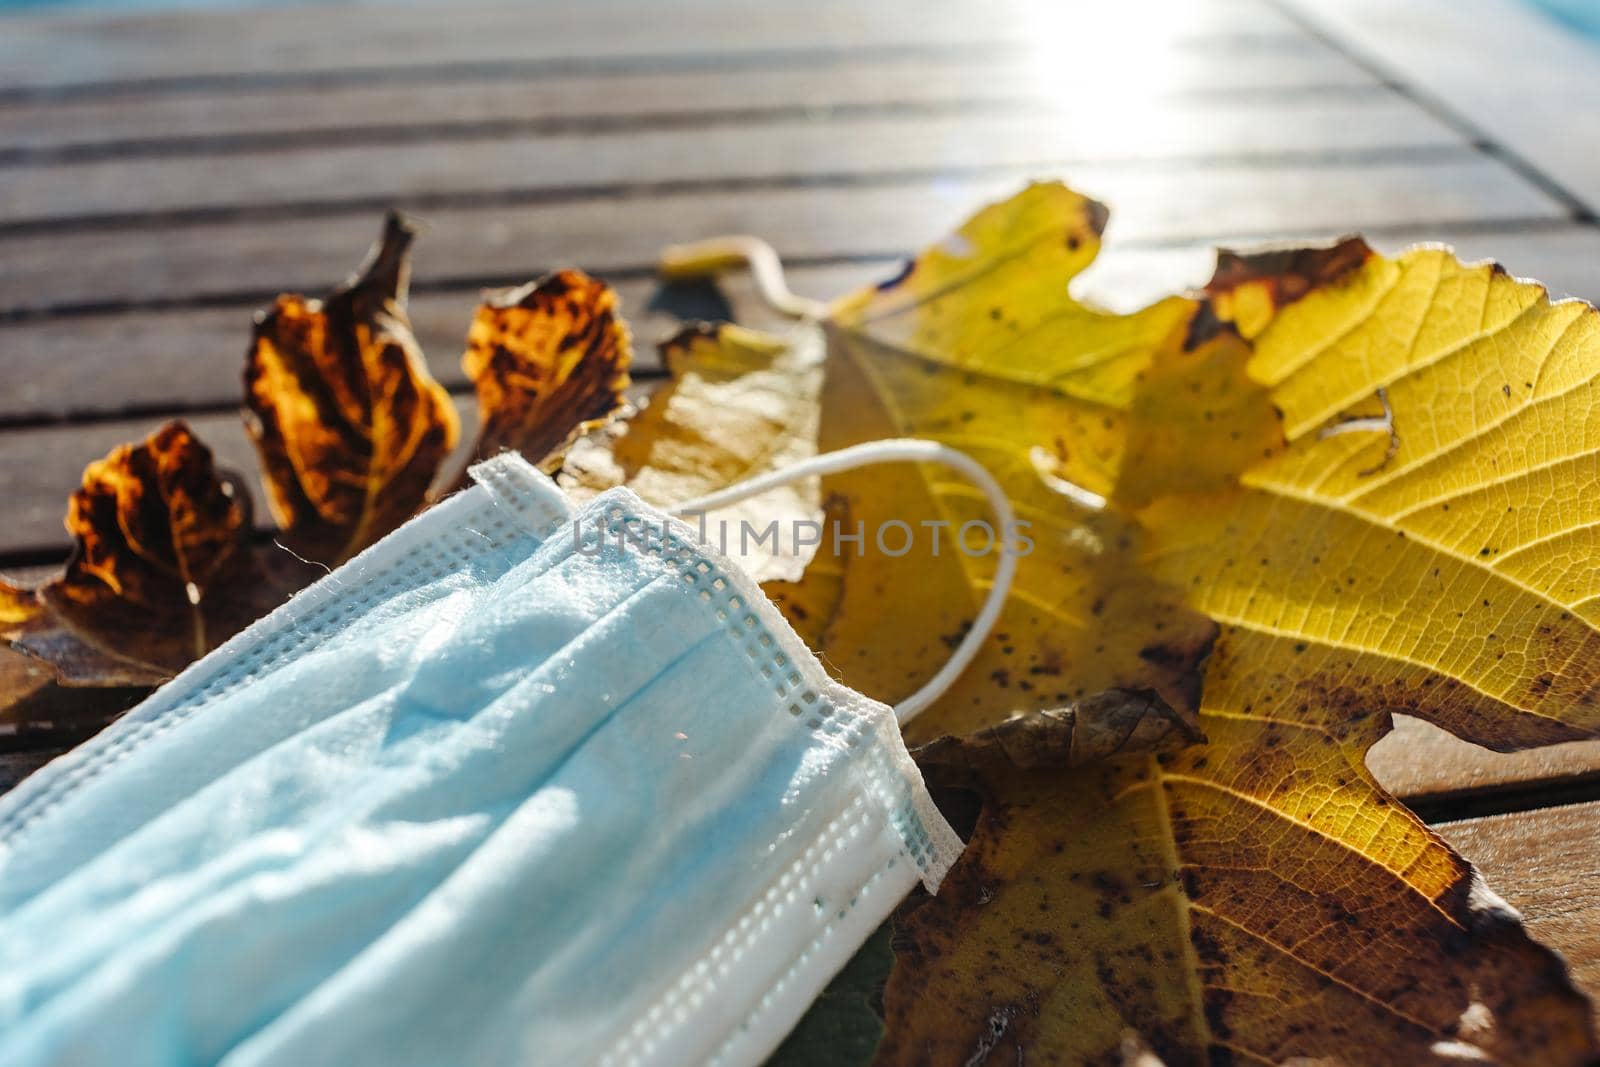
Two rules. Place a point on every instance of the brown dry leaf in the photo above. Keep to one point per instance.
(350, 429)
(350, 426)
(45, 658)
(549, 361)
(73, 662)
(1108, 724)
(161, 572)
(740, 403)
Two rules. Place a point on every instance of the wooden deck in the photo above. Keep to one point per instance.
(161, 176)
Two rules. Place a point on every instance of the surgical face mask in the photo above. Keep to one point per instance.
(494, 792)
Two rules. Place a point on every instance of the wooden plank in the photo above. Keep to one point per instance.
(1429, 766)
(501, 242)
(1546, 864)
(1565, 259)
(847, 147)
(145, 361)
(148, 360)
(45, 52)
(172, 360)
(183, 359)
(1543, 103)
(148, 122)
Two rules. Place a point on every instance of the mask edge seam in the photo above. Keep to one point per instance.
(621, 505)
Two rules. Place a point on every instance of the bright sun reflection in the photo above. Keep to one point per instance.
(1120, 80)
(1102, 58)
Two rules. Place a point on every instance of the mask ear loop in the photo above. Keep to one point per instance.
(902, 450)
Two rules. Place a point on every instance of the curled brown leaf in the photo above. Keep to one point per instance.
(350, 426)
(162, 568)
(1109, 723)
(549, 361)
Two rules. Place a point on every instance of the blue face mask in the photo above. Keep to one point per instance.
(514, 786)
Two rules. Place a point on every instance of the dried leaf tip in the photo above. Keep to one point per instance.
(1114, 722)
(1292, 272)
(386, 272)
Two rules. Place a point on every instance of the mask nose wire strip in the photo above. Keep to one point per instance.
(902, 450)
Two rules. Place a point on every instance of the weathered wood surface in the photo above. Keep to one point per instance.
(798, 151)
(477, 102)
(1438, 773)
(1439, 48)
(1546, 864)
(128, 371)
(496, 238)
(155, 360)
(90, 53)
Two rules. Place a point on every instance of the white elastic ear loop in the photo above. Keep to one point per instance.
(902, 450)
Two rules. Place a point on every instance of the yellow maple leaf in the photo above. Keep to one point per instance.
(977, 344)
(1375, 475)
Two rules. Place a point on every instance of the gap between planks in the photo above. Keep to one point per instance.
(1546, 864)
(979, 81)
(168, 193)
(71, 270)
(195, 51)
